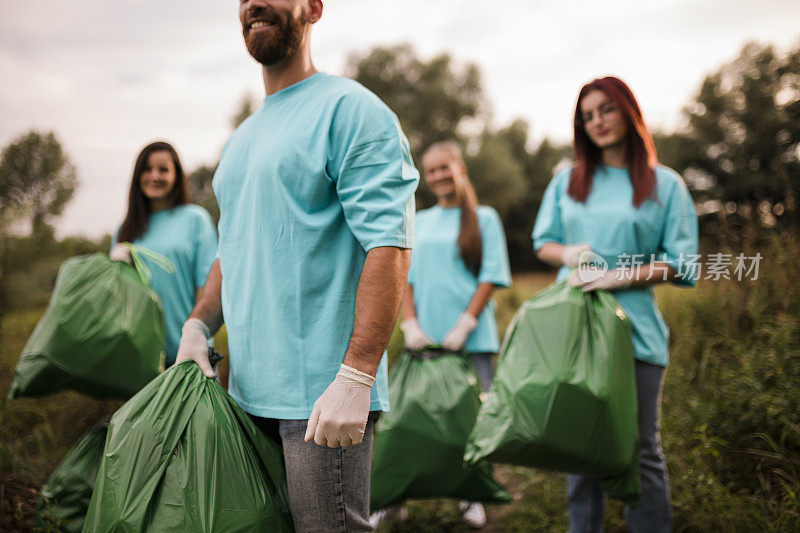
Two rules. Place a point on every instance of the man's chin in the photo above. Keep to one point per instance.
(266, 53)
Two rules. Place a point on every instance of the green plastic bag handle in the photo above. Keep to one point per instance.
(138, 253)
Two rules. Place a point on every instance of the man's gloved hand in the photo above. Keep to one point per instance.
(339, 417)
(590, 279)
(571, 255)
(413, 336)
(194, 345)
(120, 252)
(456, 337)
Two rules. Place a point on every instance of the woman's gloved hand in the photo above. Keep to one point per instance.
(457, 337)
(120, 252)
(590, 279)
(339, 417)
(415, 338)
(571, 254)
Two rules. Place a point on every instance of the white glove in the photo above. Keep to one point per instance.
(413, 336)
(339, 417)
(120, 252)
(571, 255)
(194, 345)
(456, 337)
(592, 279)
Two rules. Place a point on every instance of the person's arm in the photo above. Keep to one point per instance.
(623, 278)
(378, 296)
(339, 416)
(413, 336)
(479, 298)
(569, 255)
(204, 320)
(468, 320)
(407, 308)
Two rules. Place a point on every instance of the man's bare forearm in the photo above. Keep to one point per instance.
(380, 289)
(208, 306)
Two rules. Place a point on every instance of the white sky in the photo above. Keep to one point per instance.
(109, 76)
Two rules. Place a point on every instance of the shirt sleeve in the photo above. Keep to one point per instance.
(680, 236)
(549, 226)
(373, 171)
(494, 261)
(205, 247)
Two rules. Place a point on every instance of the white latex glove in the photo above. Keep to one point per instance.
(413, 336)
(339, 417)
(120, 252)
(591, 279)
(571, 255)
(456, 337)
(194, 345)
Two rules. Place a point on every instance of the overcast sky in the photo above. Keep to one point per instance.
(109, 76)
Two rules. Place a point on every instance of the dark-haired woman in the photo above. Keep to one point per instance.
(459, 258)
(160, 218)
(617, 202)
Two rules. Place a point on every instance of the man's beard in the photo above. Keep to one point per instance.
(284, 41)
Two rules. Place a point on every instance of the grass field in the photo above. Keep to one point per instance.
(37, 433)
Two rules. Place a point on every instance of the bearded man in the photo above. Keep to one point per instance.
(316, 195)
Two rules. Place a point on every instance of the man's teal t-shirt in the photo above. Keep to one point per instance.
(318, 176)
(186, 236)
(664, 228)
(442, 284)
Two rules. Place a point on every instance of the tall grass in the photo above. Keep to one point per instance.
(730, 421)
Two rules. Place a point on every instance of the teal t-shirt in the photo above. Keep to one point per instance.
(664, 227)
(314, 179)
(443, 286)
(186, 236)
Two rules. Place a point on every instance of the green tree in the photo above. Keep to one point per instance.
(202, 194)
(247, 105)
(435, 100)
(36, 181)
(740, 152)
(36, 178)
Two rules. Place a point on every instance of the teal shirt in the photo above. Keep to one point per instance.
(186, 236)
(314, 179)
(665, 227)
(442, 284)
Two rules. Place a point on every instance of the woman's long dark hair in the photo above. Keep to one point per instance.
(469, 234)
(640, 149)
(138, 215)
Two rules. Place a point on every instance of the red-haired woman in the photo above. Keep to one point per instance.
(160, 218)
(459, 258)
(618, 202)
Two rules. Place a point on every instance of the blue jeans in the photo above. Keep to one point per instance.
(482, 361)
(328, 487)
(653, 511)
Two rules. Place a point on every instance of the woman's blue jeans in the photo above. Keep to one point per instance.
(653, 512)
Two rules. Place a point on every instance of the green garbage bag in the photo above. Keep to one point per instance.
(419, 444)
(102, 333)
(564, 395)
(181, 455)
(64, 499)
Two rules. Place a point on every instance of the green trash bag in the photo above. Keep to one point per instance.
(64, 499)
(102, 333)
(564, 394)
(419, 444)
(181, 455)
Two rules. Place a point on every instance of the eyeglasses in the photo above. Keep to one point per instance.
(604, 110)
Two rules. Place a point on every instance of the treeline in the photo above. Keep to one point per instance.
(739, 151)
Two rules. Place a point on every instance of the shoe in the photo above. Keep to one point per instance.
(473, 514)
(384, 516)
